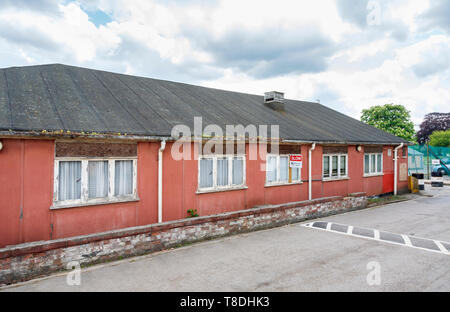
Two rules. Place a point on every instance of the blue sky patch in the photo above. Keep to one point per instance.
(98, 17)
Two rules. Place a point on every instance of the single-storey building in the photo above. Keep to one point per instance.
(85, 151)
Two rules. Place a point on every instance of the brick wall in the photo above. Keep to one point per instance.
(26, 261)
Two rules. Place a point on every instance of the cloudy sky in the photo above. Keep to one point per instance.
(349, 54)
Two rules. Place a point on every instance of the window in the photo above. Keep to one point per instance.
(334, 166)
(373, 164)
(93, 181)
(123, 177)
(206, 173)
(221, 172)
(98, 179)
(278, 170)
(69, 180)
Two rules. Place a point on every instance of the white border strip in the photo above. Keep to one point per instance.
(376, 235)
(350, 230)
(407, 240)
(442, 249)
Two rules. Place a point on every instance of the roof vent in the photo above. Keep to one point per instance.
(274, 100)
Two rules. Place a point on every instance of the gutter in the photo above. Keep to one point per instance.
(116, 136)
(395, 166)
(160, 186)
(313, 147)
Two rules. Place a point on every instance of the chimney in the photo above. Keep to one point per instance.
(274, 100)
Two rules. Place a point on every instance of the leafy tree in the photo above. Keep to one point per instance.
(431, 123)
(440, 138)
(391, 118)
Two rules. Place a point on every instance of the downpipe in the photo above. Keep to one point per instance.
(160, 170)
(313, 147)
(396, 166)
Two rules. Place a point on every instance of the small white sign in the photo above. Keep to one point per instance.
(435, 161)
(295, 161)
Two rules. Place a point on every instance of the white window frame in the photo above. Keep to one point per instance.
(277, 181)
(85, 200)
(230, 186)
(339, 176)
(372, 172)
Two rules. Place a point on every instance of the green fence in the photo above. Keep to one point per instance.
(420, 159)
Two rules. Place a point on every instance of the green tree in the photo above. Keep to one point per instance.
(440, 138)
(391, 118)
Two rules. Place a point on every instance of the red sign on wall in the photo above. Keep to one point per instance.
(295, 161)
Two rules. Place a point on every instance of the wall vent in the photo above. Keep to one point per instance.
(274, 100)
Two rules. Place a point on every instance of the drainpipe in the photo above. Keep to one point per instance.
(395, 167)
(160, 170)
(309, 170)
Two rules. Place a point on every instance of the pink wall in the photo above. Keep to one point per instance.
(26, 180)
(26, 186)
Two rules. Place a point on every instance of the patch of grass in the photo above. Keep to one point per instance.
(383, 200)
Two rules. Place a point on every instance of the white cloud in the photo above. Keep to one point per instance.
(308, 50)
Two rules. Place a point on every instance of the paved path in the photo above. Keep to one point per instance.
(291, 258)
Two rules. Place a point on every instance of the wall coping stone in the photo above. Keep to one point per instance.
(43, 246)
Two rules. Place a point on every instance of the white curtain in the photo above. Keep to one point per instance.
(206, 172)
(271, 169)
(284, 169)
(373, 168)
(343, 165)
(326, 166)
(98, 179)
(295, 174)
(69, 180)
(379, 169)
(238, 171)
(334, 166)
(366, 163)
(123, 177)
(222, 171)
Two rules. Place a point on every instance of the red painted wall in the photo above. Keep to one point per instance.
(26, 188)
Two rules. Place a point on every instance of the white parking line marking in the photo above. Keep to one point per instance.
(376, 235)
(442, 249)
(407, 240)
(350, 230)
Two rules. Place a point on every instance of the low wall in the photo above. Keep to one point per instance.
(27, 261)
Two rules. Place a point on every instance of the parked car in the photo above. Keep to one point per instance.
(441, 168)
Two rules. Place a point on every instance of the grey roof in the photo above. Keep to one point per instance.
(60, 97)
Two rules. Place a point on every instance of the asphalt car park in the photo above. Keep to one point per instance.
(402, 246)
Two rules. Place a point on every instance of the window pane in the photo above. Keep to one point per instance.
(334, 166)
(222, 171)
(271, 169)
(69, 180)
(379, 169)
(123, 177)
(284, 169)
(295, 174)
(343, 165)
(238, 170)
(98, 179)
(206, 172)
(326, 166)
(372, 165)
(366, 163)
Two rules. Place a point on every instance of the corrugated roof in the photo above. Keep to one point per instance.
(61, 97)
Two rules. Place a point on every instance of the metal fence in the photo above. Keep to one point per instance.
(420, 159)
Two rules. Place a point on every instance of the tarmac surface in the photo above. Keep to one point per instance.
(403, 256)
